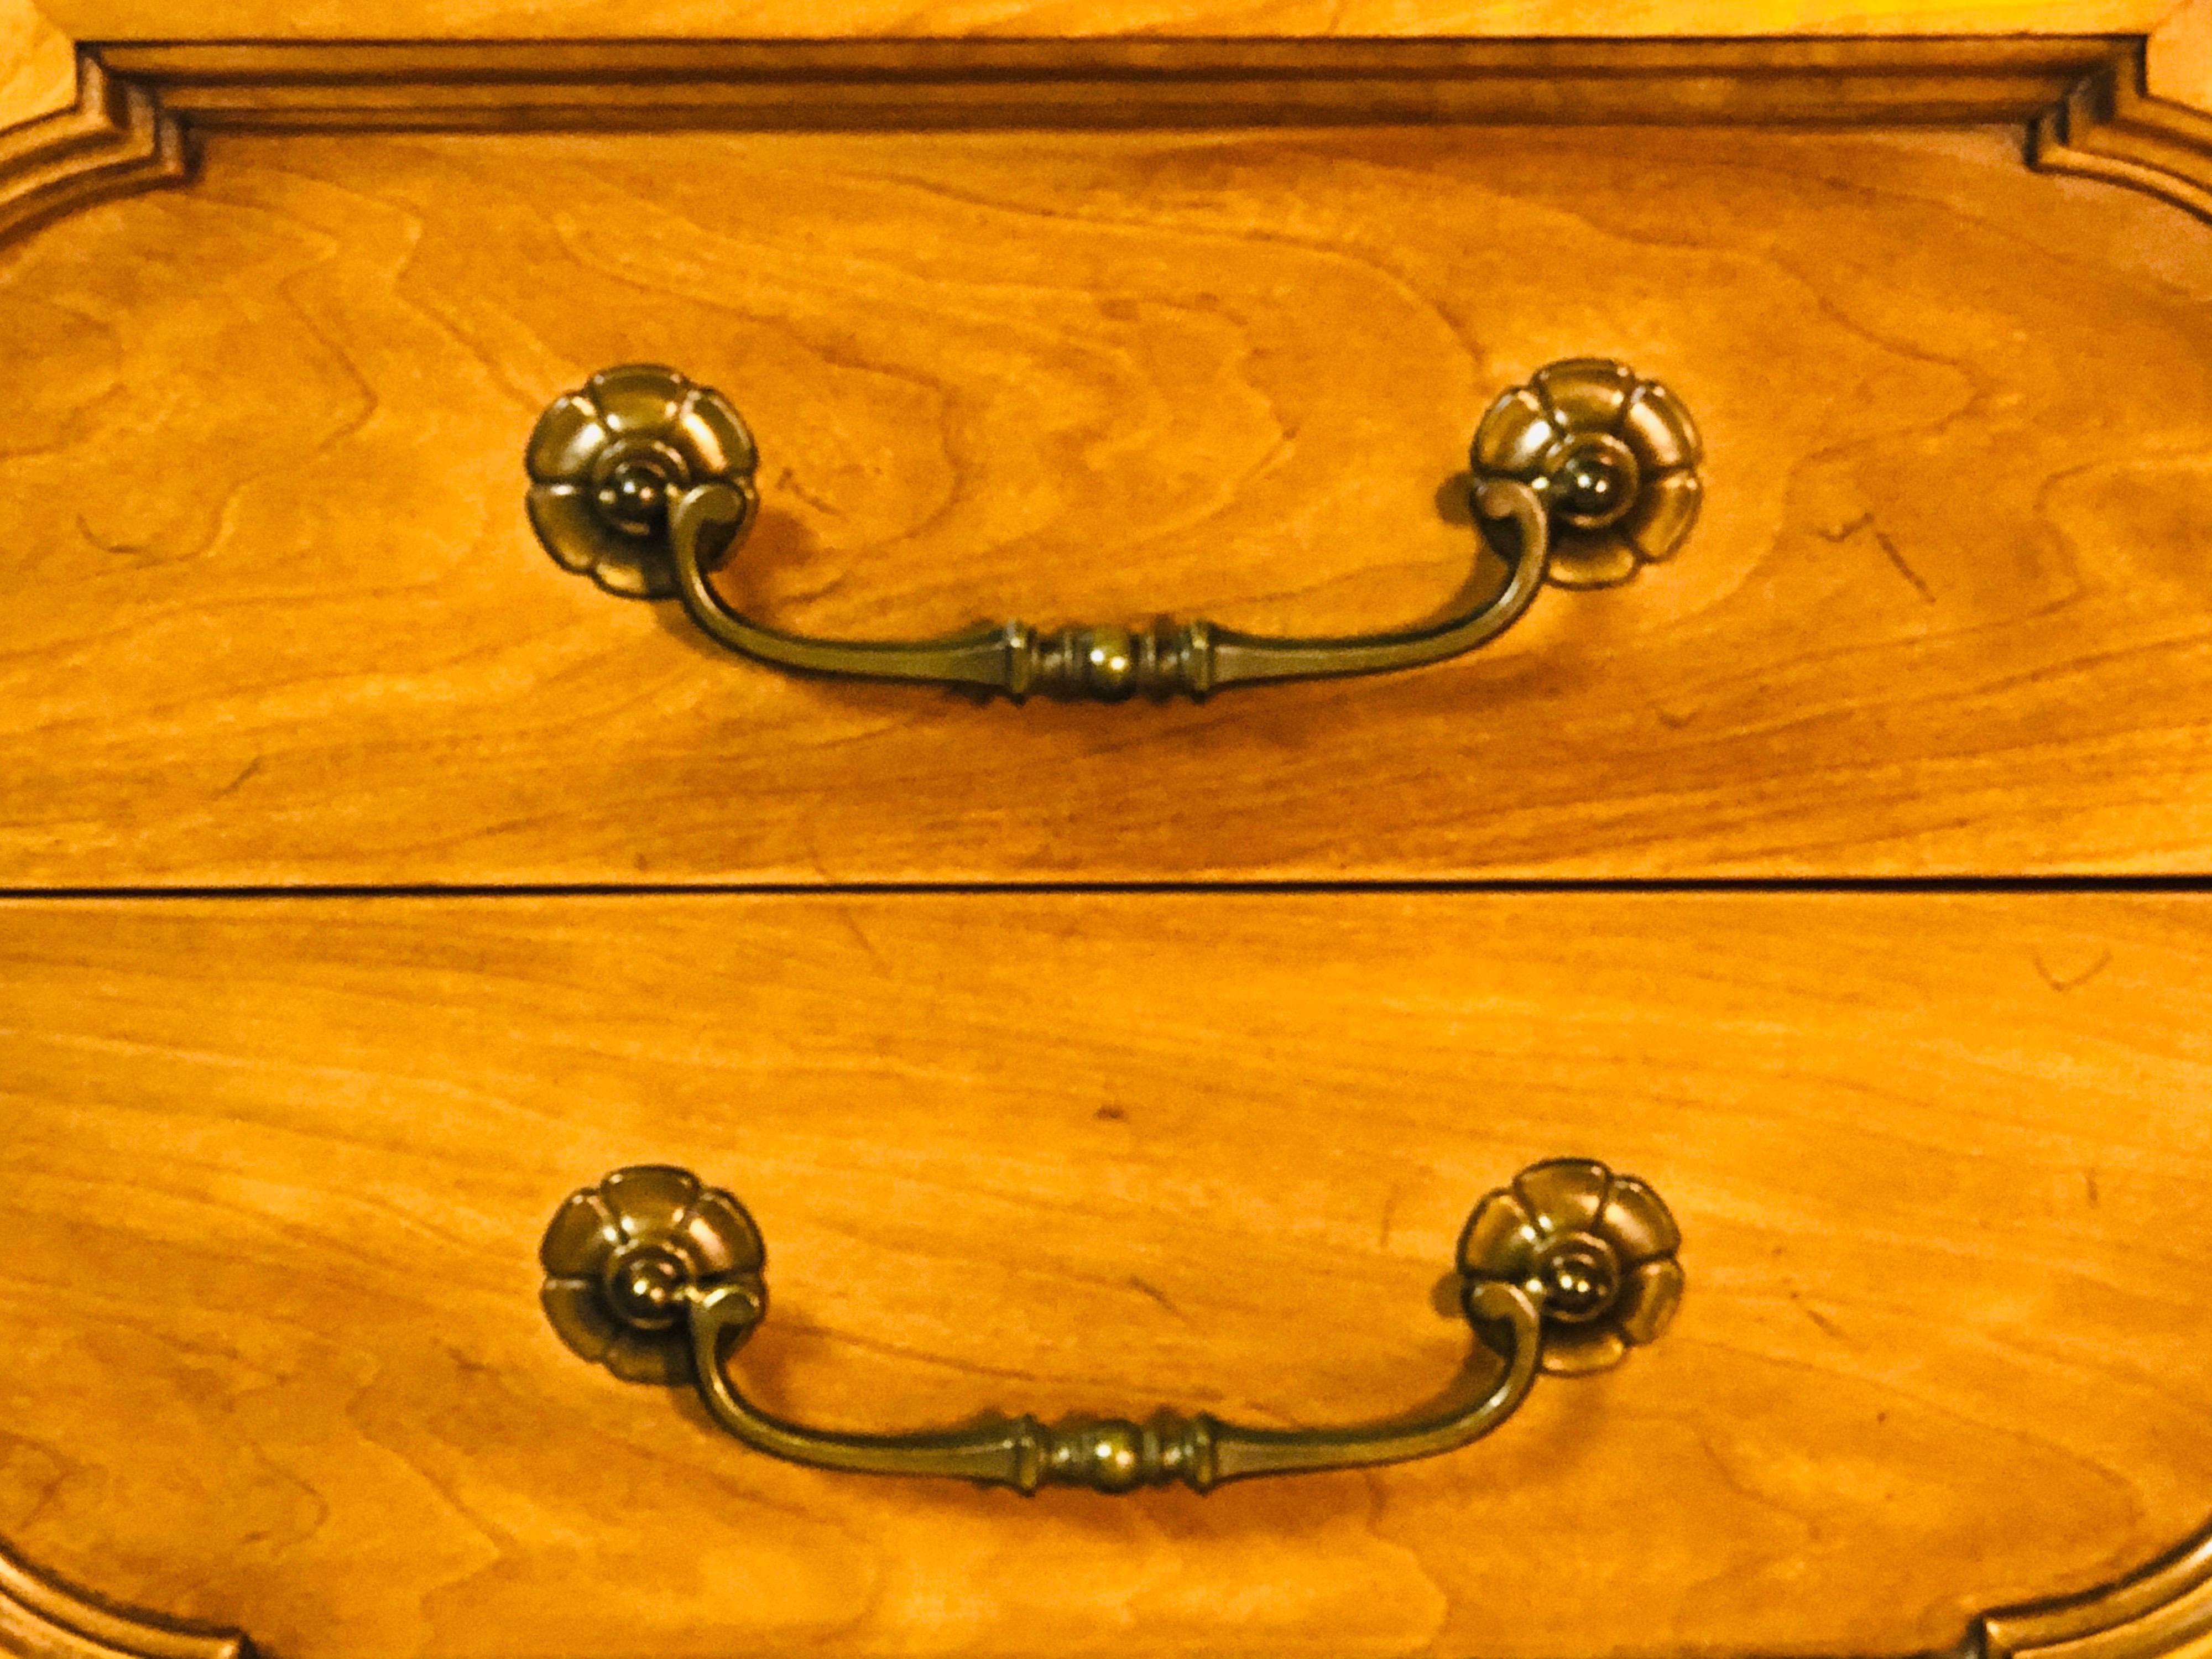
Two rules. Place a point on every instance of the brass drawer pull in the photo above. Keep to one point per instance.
(661, 1279)
(645, 482)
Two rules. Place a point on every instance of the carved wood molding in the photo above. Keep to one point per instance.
(2160, 1609)
(2083, 98)
(117, 140)
(40, 1618)
(2110, 127)
(1110, 82)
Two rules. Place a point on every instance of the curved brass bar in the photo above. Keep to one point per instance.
(1254, 659)
(644, 480)
(1116, 1455)
(660, 1278)
(1106, 663)
(704, 524)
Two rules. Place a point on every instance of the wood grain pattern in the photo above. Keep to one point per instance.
(1120, 82)
(38, 66)
(2178, 55)
(173, 19)
(1945, 613)
(277, 1170)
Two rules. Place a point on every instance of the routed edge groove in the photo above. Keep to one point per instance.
(2110, 127)
(41, 1619)
(117, 141)
(2194, 885)
(1111, 83)
(2081, 100)
(2156, 1610)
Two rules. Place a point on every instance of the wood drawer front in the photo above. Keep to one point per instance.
(280, 617)
(279, 1170)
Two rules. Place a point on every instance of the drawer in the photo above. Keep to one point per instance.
(1031, 329)
(279, 1170)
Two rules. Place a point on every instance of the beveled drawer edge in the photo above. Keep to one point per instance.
(1095, 81)
(116, 141)
(2159, 1608)
(2082, 100)
(2155, 1611)
(42, 1619)
(2110, 127)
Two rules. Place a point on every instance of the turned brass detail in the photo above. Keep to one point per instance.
(645, 482)
(660, 1278)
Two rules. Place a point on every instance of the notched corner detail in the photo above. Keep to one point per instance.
(42, 1619)
(117, 141)
(2110, 127)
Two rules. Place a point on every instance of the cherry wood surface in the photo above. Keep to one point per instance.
(279, 617)
(278, 1170)
(908, 86)
(101, 20)
(277, 1167)
(38, 71)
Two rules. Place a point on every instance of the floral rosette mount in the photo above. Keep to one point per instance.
(625, 1260)
(1594, 1250)
(1612, 456)
(608, 462)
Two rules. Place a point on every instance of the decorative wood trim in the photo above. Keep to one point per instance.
(2110, 127)
(1110, 82)
(2084, 99)
(117, 140)
(2157, 1610)
(40, 1618)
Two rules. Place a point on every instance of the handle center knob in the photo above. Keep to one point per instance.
(1595, 484)
(635, 497)
(645, 1286)
(1580, 1278)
